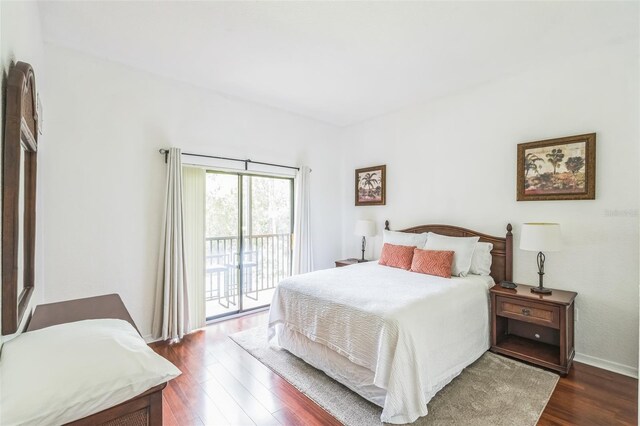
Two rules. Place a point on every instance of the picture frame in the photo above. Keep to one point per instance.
(557, 169)
(371, 186)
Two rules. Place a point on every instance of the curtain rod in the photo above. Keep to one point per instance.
(165, 152)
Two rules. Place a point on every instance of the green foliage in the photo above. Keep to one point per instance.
(267, 205)
(270, 205)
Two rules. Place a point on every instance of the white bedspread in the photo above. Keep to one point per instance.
(416, 332)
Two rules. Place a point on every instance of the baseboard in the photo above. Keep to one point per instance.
(607, 365)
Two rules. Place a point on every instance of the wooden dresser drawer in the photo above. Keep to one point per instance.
(532, 312)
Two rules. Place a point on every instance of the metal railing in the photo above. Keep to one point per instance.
(266, 261)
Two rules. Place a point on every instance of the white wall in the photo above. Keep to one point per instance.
(454, 161)
(105, 178)
(21, 41)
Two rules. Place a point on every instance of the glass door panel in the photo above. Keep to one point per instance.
(266, 244)
(222, 283)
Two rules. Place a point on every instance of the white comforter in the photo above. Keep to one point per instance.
(416, 332)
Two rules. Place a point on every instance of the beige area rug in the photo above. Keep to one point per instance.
(492, 391)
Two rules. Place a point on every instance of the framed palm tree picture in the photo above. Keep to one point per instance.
(371, 186)
(557, 169)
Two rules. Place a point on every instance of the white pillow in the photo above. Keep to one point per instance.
(481, 259)
(62, 373)
(461, 246)
(404, 238)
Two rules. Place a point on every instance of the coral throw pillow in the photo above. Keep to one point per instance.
(396, 256)
(432, 262)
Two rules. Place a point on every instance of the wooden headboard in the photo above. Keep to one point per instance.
(502, 253)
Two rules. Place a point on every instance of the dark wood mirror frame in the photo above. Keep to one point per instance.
(20, 138)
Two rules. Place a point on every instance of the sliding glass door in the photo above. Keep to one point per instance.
(249, 219)
(222, 227)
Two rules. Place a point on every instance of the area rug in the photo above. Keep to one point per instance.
(492, 391)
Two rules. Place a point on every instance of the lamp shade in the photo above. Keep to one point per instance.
(365, 228)
(540, 237)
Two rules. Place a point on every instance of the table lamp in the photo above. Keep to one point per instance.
(364, 228)
(540, 237)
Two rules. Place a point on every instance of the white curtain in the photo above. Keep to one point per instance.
(171, 313)
(302, 252)
(193, 183)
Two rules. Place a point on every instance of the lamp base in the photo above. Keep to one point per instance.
(541, 290)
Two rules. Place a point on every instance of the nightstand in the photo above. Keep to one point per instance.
(350, 261)
(537, 328)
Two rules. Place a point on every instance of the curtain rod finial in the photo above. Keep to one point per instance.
(164, 152)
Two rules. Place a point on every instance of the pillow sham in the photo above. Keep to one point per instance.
(481, 259)
(461, 246)
(432, 262)
(63, 373)
(396, 256)
(404, 238)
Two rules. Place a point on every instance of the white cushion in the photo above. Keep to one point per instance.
(66, 372)
(481, 259)
(404, 238)
(461, 246)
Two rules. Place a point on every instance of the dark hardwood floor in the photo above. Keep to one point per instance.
(221, 384)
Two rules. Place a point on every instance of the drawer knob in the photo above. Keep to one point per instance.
(526, 312)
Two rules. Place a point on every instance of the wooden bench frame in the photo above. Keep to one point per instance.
(101, 307)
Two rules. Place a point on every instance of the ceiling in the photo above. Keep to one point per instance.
(338, 62)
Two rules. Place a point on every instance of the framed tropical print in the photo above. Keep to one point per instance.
(557, 169)
(371, 186)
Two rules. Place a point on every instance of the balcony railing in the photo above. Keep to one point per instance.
(266, 260)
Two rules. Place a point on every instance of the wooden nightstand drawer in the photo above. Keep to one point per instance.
(532, 312)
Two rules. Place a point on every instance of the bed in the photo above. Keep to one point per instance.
(394, 337)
